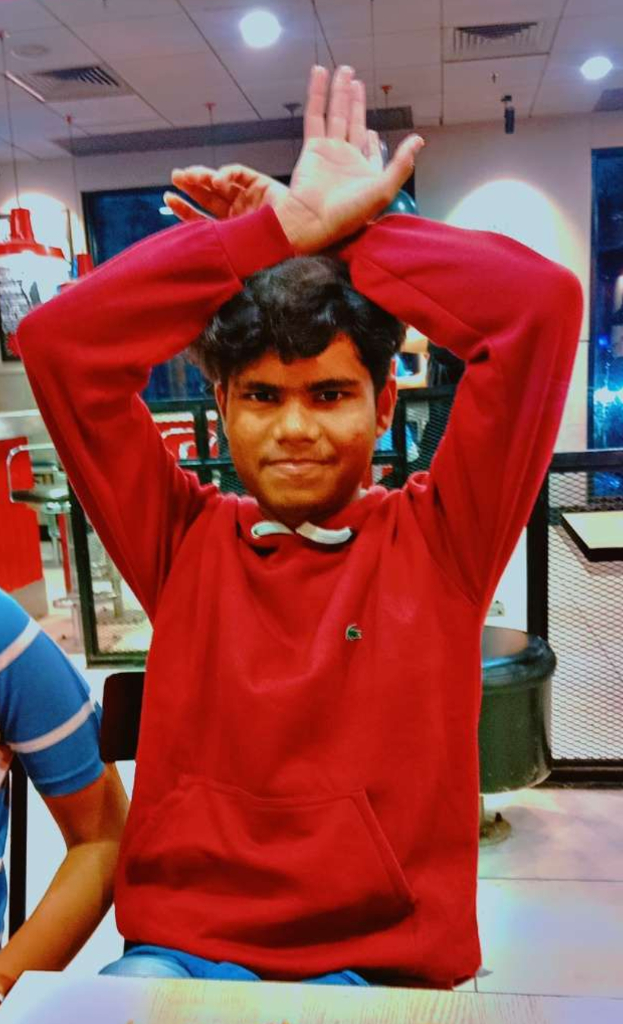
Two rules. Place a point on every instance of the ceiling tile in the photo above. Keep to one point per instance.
(192, 6)
(199, 77)
(290, 58)
(149, 37)
(113, 110)
(417, 88)
(586, 37)
(6, 157)
(353, 50)
(350, 17)
(24, 14)
(395, 50)
(471, 94)
(228, 110)
(41, 120)
(178, 90)
(269, 96)
(65, 50)
(594, 8)
(564, 90)
(486, 12)
(354, 17)
(87, 12)
(554, 100)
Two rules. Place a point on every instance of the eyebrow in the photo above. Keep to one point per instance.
(328, 384)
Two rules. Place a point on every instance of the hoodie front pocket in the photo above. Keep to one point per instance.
(270, 871)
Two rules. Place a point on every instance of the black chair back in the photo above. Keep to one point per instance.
(17, 846)
(121, 716)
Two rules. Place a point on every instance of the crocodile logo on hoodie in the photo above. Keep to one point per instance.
(353, 632)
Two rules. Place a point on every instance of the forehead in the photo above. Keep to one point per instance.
(340, 359)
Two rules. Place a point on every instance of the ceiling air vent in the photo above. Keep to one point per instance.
(512, 39)
(94, 81)
(610, 99)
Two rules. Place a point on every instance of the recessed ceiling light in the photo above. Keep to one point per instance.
(260, 29)
(596, 68)
(30, 51)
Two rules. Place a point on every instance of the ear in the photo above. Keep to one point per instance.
(385, 405)
(220, 393)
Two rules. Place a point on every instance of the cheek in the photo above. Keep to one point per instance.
(243, 440)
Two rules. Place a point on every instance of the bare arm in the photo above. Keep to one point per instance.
(91, 822)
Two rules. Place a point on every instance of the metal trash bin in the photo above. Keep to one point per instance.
(515, 719)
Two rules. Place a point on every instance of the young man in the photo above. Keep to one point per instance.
(306, 795)
(47, 719)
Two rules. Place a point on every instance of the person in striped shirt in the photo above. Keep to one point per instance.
(48, 720)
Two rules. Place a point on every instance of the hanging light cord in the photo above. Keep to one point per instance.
(375, 99)
(7, 93)
(69, 120)
(315, 18)
(210, 107)
(318, 25)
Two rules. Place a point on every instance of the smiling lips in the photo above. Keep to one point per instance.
(295, 465)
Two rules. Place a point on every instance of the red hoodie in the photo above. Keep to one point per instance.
(306, 794)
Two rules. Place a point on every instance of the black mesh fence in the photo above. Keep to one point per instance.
(585, 616)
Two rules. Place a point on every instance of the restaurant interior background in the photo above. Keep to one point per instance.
(171, 84)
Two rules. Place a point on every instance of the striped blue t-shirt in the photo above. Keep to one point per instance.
(47, 717)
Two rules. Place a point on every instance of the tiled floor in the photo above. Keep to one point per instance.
(550, 897)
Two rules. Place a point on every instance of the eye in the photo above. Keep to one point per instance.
(261, 396)
(331, 396)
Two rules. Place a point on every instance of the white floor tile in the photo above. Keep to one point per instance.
(557, 834)
(551, 938)
(467, 986)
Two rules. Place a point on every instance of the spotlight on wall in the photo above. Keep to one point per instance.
(509, 114)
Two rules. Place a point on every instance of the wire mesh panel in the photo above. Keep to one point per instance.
(585, 599)
(427, 411)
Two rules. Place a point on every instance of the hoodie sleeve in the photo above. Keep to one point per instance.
(88, 354)
(514, 318)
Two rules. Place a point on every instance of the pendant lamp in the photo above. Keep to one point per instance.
(30, 273)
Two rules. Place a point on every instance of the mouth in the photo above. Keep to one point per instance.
(294, 466)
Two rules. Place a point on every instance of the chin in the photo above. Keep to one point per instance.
(297, 510)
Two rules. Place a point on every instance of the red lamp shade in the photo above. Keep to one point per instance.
(30, 273)
(21, 238)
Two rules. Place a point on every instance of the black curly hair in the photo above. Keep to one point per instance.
(296, 309)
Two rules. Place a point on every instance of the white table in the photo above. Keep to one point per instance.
(599, 535)
(40, 998)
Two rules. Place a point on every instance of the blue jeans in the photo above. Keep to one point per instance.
(160, 962)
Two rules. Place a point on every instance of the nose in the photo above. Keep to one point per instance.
(295, 422)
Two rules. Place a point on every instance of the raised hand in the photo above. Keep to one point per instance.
(228, 192)
(337, 186)
(339, 182)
